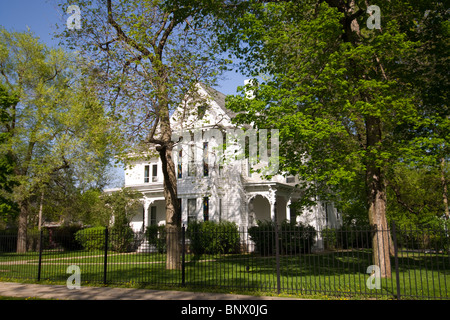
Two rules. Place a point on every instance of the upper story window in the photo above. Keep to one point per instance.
(180, 164)
(146, 174)
(191, 161)
(154, 173)
(205, 159)
(205, 208)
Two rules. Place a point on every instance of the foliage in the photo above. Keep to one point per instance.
(209, 237)
(415, 196)
(8, 208)
(119, 207)
(60, 139)
(156, 236)
(91, 238)
(121, 238)
(347, 237)
(64, 237)
(293, 238)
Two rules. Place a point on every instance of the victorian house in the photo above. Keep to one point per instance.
(210, 189)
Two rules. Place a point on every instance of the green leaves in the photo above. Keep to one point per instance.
(344, 97)
(59, 135)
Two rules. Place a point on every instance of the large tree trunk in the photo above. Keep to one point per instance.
(22, 231)
(377, 202)
(173, 213)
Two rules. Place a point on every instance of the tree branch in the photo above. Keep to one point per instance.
(122, 35)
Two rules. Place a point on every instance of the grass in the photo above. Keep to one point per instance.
(340, 274)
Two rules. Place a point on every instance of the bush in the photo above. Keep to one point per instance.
(329, 237)
(354, 237)
(91, 238)
(156, 236)
(121, 238)
(64, 237)
(8, 240)
(292, 238)
(210, 237)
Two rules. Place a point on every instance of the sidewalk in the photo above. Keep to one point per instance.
(61, 292)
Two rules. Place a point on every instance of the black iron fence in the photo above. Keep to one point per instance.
(289, 260)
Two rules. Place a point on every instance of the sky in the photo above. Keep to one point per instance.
(41, 17)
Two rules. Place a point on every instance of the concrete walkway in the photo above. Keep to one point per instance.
(61, 292)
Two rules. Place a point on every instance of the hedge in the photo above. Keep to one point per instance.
(292, 238)
(210, 237)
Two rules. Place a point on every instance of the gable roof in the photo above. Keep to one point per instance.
(190, 113)
(219, 98)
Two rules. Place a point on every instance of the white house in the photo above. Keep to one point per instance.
(211, 190)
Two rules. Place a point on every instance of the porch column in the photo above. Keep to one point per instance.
(288, 210)
(272, 201)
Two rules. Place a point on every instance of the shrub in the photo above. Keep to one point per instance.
(8, 240)
(292, 238)
(296, 238)
(121, 238)
(263, 235)
(329, 237)
(64, 237)
(91, 238)
(156, 236)
(210, 237)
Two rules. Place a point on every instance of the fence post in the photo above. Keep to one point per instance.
(183, 257)
(105, 261)
(40, 254)
(394, 235)
(277, 255)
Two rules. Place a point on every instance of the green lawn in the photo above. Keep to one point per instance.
(337, 274)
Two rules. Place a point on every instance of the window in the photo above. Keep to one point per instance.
(153, 216)
(191, 164)
(205, 208)
(290, 179)
(205, 159)
(180, 164)
(220, 209)
(146, 174)
(155, 173)
(192, 210)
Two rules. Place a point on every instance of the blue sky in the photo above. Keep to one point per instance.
(41, 16)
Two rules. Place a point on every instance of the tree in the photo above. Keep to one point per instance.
(8, 208)
(57, 124)
(151, 55)
(337, 89)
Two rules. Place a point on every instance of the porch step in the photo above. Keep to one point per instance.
(145, 247)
